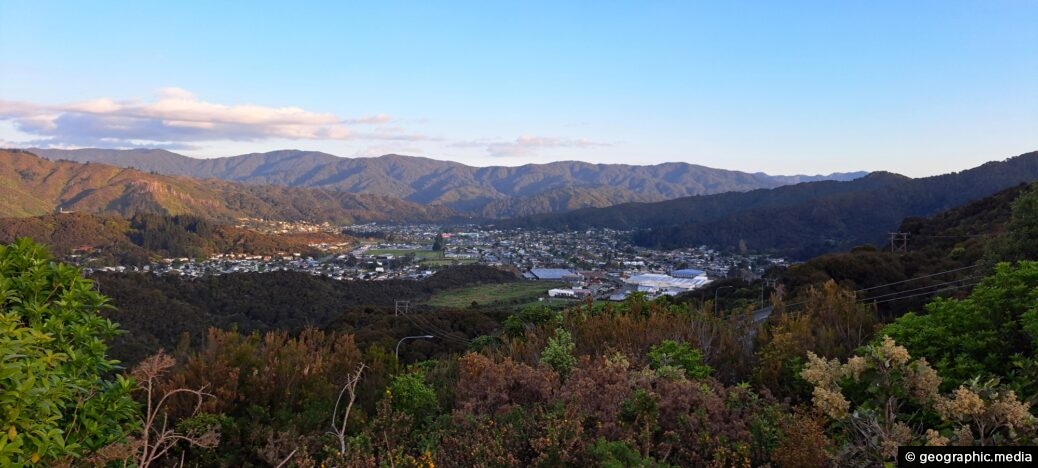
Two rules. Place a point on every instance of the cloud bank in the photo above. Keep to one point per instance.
(177, 117)
(528, 145)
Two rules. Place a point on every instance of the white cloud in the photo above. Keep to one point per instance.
(16, 109)
(177, 116)
(371, 120)
(528, 145)
(96, 106)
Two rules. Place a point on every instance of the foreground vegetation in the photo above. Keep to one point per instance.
(828, 381)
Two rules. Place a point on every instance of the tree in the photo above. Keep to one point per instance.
(681, 356)
(1018, 243)
(412, 396)
(558, 354)
(55, 399)
(993, 333)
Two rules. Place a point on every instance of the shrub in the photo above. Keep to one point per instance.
(55, 399)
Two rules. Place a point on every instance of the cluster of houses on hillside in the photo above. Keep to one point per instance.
(591, 263)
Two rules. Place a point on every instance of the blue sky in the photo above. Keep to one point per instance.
(918, 88)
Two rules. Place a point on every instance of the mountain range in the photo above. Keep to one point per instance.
(486, 192)
(35, 186)
(801, 220)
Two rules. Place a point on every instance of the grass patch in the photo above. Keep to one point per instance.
(420, 254)
(520, 292)
(431, 262)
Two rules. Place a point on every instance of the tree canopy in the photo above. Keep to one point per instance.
(991, 333)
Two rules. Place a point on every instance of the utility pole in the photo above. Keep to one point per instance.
(765, 282)
(898, 242)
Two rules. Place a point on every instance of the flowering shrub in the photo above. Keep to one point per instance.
(882, 398)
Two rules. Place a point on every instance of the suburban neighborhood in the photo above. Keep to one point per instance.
(596, 263)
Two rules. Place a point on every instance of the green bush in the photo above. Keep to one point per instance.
(56, 401)
(558, 354)
(671, 354)
(412, 396)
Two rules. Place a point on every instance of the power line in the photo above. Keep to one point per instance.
(918, 289)
(925, 293)
(431, 329)
(438, 334)
(930, 292)
(954, 237)
(918, 278)
(447, 334)
(794, 304)
(422, 321)
(403, 308)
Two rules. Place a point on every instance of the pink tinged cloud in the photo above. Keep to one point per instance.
(529, 145)
(177, 115)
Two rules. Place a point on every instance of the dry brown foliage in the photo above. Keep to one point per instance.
(486, 387)
(157, 436)
(803, 442)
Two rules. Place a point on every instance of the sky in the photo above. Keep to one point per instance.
(918, 88)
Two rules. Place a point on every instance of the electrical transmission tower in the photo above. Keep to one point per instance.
(400, 308)
(898, 242)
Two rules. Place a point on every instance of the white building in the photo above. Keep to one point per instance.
(568, 293)
(655, 283)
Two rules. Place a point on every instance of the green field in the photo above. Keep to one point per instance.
(420, 254)
(517, 293)
(447, 261)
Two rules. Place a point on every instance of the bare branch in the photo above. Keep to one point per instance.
(289, 457)
(349, 388)
(157, 439)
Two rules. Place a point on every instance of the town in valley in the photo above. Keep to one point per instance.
(597, 263)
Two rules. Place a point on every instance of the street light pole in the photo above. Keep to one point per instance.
(416, 337)
(715, 297)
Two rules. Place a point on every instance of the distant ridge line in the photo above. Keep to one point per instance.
(486, 192)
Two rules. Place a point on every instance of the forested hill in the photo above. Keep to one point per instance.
(157, 310)
(798, 221)
(113, 240)
(35, 186)
(946, 252)
(493, 192)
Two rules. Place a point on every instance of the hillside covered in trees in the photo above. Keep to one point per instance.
(949, 251)
(799, 221)
(491, 192)
(167, 312)
(113, 240)
(35, 186)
